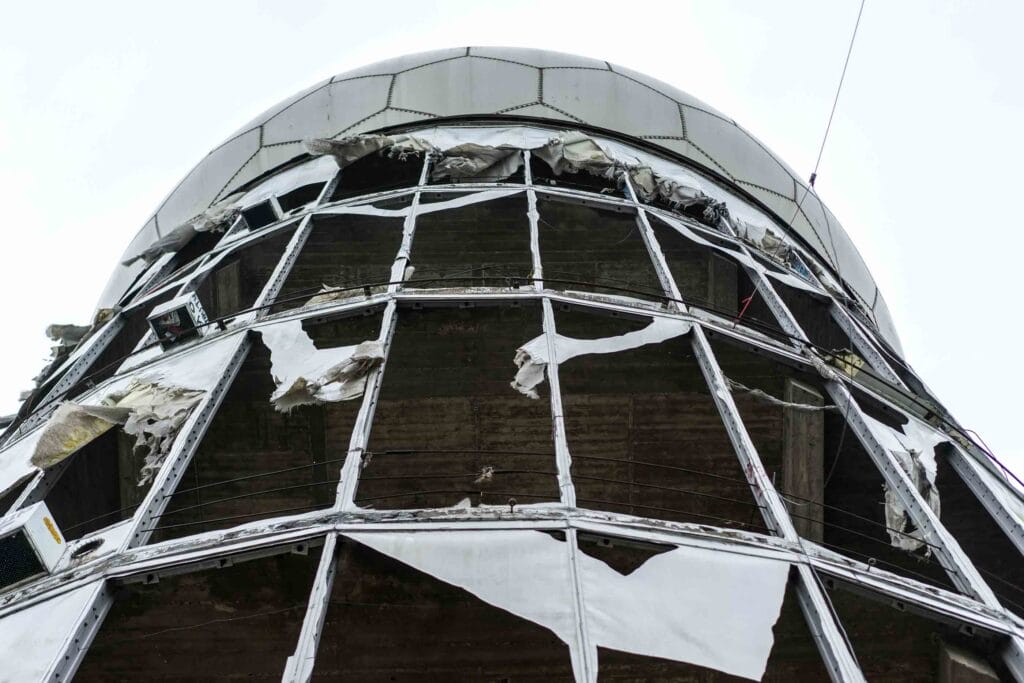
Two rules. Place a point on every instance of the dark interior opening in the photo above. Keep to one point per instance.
(238, 622)
(236, 282)
(342, 252)
(481, 245)
(376, 173)
(992, 553)
(96, 486)
(448, 427)
(300, 197)
(542, 174)
(592, 249)
(518, 177)
(259, 215)
(389, 622)
(645, 435)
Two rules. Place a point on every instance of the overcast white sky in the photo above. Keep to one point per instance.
(104, 106)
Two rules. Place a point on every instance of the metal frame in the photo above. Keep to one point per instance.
(979, 608)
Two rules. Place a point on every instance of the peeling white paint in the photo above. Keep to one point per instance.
(32, 639)
(705, 607)
(307, 375)
(532, 358)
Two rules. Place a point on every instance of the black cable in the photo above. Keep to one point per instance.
(670, 489)
(732, 522)
(828, 127)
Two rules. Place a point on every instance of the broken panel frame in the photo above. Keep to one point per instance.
(827, 633)
(737, 432)
(961, 570)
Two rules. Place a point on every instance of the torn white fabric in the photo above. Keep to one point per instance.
(307, 375)
(151, 413)
(32, 639)
(706, 607)
(215, 218)
(572, 151)
(319, 170)
(532, 357)
(470, 160)
(740, 257)
(155, 415)
(351, 149)
(914, 450)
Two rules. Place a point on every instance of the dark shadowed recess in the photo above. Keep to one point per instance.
(893, 645)
(256, 462)
(978, 534)
(342, 251)
(831, 486)
(237, 281)
(645, 435)
(448, 427)
(376, 173)
(585, 248)
(238, 622)
(389, 622)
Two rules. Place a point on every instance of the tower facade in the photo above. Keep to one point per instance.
(498, 364)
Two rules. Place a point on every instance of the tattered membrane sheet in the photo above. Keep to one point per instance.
(711, 608)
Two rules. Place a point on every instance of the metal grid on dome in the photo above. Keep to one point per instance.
(644, 431)
(538, 84)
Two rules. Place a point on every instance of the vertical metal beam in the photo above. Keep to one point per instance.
(585, 665)
(353, 465)
(299, 668)
(563, 458)
(533, 216)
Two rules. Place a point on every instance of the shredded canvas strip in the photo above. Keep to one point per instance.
(914, 450)
(151, 413)
(705, 607)
(532, 358)
(306, 375)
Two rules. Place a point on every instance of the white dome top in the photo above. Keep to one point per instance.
(516, 82)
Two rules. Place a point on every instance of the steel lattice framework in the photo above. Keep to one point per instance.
(860, 383)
